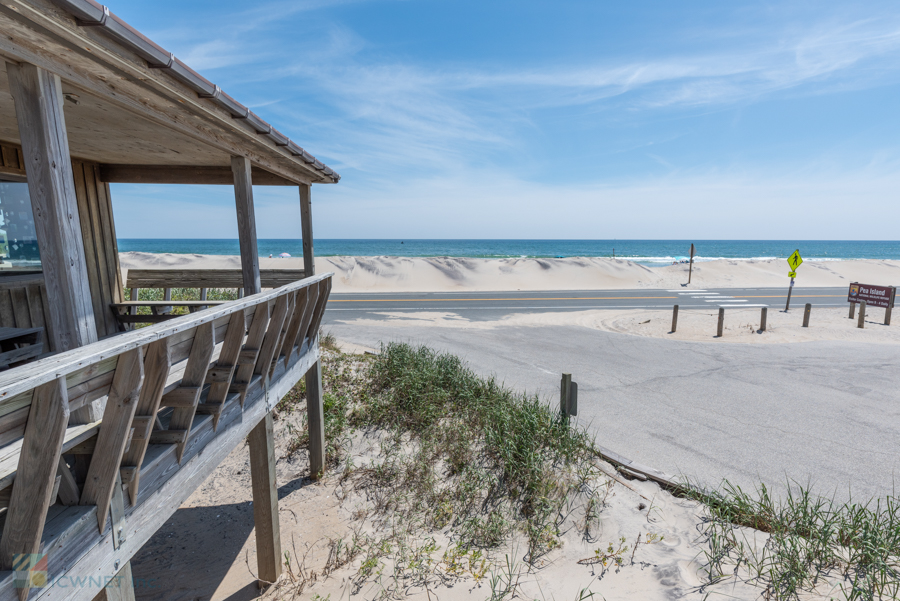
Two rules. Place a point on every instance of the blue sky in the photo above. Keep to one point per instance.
(517, 119)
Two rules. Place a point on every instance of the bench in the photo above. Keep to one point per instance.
(202, 279)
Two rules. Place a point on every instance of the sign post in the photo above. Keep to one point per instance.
(873, 296)
(691, 266)
(794, 261)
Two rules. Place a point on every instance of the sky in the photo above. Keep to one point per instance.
(556, 120)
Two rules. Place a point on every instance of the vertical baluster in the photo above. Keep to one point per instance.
(113, 436)
(247, 357)
(310, 309)
(273, 336)
(220, 376)
(185, 398)
(157, 363)
(290, 338)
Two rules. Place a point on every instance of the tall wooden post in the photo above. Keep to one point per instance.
(262, 444)
(45, 145)
(51, 184)
(243, 199)
(315, 410)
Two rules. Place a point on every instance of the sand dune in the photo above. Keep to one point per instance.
(445, 274)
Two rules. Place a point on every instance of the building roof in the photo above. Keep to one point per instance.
(131, 103)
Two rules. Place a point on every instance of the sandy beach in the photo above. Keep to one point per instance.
(447, 274)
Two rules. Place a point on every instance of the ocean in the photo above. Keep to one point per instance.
(641, 251)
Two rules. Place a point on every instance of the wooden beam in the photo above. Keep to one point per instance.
(243, 197)
(184, 174)
(38, 463)
(120, 588)
(38, 99)
(309, 266)
(113, 436)
(265, 501)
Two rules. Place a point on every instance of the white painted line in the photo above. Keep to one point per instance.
(717, 299)
(686, 291)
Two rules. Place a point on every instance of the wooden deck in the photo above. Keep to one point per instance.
(179, 397)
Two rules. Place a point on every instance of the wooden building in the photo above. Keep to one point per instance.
(105, 434)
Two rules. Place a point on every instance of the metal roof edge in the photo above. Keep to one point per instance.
(88, 13)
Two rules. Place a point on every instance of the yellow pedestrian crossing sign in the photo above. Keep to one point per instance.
(794, 261)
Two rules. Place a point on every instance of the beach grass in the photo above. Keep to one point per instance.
(810, 539)
(463, 454)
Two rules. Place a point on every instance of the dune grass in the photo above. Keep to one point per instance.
(461, 453)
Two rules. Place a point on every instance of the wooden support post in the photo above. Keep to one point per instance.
(565, 386)
(852, 310)
(315, 411)
(243, 197)
(674, 319)
(887, 310)
(309, 259)
(32, 490)
(113, 436)
(135, 292)
(38, 99)
(763, 314)
(194, 378)
(720, 328)
(806, 311)
(862, 315)
(265, 501)
(120, 588)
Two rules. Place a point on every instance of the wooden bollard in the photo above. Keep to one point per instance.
(721, 322)
(887, 311)
(806, 313)
(852, 310)
(763, 313)
(862, 315)
(565, 387)
(674, 318)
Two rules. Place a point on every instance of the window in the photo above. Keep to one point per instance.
(18, 242)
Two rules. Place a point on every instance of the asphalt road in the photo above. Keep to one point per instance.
(824, 413)
(494, 305)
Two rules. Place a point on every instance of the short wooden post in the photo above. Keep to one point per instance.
(806, 311)
(721, 326)
(265, 501)
(763, 314)
(887, 310)
(674, 318)
(315, 413)
(852, 310)
(862, 315)
(565, 387)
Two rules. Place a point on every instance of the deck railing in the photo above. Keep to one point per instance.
(89, 495)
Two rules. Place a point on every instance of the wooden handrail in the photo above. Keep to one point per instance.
(34, 374)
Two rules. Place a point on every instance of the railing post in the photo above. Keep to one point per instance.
(32, 489)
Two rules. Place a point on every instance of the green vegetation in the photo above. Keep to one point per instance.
(810, 538)
(466, 459)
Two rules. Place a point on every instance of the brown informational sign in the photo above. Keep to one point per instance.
(875, 296)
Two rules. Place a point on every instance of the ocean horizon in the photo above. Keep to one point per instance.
(641, 251)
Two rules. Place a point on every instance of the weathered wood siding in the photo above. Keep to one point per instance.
(23, 304)
(100, 248)
(23, 298)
